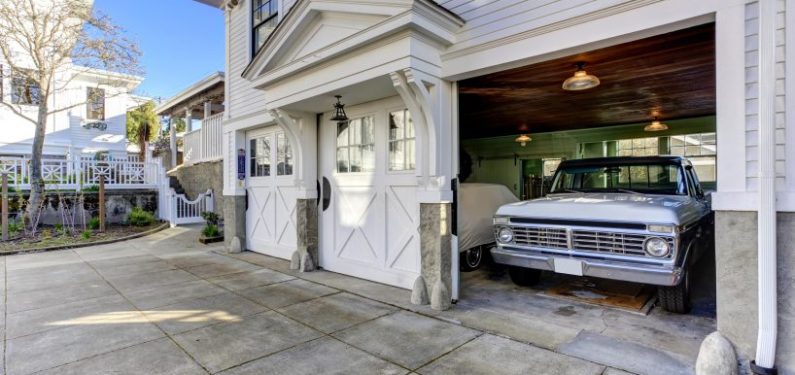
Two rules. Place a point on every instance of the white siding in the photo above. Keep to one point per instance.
(242, 98)
(752, 96)
(489, 20)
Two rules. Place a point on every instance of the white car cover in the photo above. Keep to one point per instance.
(477, 204)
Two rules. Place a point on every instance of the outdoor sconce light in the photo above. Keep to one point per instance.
(339, 111)
(581, 80)
(655, 126)
(523, 139)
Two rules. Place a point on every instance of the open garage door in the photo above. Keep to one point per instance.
(648, 97)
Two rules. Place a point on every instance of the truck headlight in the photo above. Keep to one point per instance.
(657, 247)
(505, 235)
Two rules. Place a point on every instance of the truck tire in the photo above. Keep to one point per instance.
(471, 259)
(675, 299)
(524, 276)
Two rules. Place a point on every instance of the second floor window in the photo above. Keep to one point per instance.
(264, 21)
(25, 91)
(95, 104)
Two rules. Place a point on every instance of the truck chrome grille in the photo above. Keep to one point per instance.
(555, 238)
(582, 240)
(610, 242)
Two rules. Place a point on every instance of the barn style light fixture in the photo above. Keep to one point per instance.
(581, 80)
(655, 126)
(339, 111)
(523, 139)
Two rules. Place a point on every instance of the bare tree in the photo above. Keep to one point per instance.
(46, 43)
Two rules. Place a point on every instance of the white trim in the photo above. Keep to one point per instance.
(204, 84)
(730, 98)
(790, 94)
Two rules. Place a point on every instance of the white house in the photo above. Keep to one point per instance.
(421, 80)
(89, 114)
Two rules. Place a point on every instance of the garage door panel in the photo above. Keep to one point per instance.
(402, 230)
(285, 217)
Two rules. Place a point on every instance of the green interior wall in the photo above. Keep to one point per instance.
(493, 158)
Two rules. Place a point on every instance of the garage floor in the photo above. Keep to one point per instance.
(164, 304)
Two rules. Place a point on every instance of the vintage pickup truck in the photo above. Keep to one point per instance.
(638, 219)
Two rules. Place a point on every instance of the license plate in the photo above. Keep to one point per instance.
(568, 266)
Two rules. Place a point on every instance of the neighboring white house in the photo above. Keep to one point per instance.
(373, 197)
(90, 113)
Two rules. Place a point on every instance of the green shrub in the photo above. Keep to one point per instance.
(140, 218)
(14, 227)
(86, 234)
(59, 227)
(211, 218)
(211, 230)
(93, 224)
(91, 188)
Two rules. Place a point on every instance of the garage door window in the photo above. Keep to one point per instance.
(284, 156)
(701, 150)
(260, 157)
(356, 146)
(401, 141)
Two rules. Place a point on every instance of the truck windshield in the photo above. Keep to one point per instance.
(666, 179)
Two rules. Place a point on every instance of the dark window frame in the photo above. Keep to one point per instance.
(95, 103)
(260, 8)
(25, 91)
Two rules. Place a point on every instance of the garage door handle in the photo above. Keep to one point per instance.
(326, 193)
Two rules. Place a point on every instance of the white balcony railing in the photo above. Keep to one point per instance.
(83, 173)
(203, 144)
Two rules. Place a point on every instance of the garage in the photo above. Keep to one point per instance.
(648, 97)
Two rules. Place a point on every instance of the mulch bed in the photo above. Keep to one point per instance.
(46, 239)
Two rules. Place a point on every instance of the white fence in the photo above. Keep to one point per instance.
(84, 173)
(185, 211)
(203, 144)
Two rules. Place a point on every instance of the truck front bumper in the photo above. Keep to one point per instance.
(606, 269)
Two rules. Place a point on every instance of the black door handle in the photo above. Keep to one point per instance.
(326, 193)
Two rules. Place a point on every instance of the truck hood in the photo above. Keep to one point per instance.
(609, 207)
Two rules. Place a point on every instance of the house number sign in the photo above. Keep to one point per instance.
(241, 164)
(101, 125)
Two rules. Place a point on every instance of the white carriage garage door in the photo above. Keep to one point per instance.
(370, 215)
(270, 193)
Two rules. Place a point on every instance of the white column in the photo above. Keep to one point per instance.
(188, 119)
(172, 133)
(208, 109)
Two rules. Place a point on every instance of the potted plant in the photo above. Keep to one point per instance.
(210, 233)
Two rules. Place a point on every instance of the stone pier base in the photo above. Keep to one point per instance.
(235, 223)
(306, 256)
(435, 281)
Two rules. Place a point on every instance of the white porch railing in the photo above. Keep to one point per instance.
(203, 144)
(185, 211)
(83, 173)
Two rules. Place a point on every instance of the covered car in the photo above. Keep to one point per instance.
(477, 204)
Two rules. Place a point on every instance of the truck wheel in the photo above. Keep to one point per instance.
(471, 259)
(524, 276)
(675, 299)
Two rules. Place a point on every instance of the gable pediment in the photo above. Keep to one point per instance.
(315, 30)
(323, 30)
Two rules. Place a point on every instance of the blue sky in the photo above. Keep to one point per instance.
(182, 40)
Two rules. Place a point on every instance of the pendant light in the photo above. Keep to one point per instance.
(339, 111)
(523, 139)
(655, 126)
(581, 80)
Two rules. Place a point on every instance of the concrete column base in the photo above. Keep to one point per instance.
(305, 257)
(435, 223)
(716, 356)
(235, 223)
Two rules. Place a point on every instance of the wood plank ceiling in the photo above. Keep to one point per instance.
(671, 74)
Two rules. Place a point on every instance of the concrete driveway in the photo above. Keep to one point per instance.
(165, 304)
